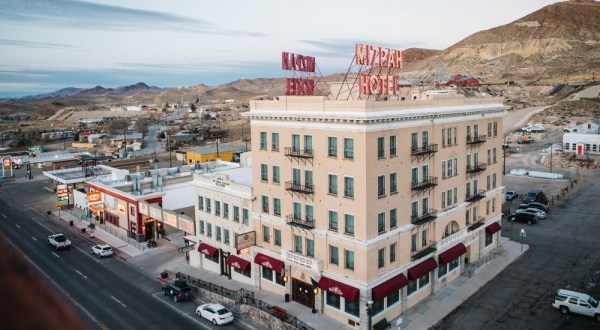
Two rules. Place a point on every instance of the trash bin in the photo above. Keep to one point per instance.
(83, 230)
(71, 223)
(287, 297)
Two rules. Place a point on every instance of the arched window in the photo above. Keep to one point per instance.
(451, 228)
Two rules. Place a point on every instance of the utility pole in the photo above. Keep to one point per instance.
(169, 147)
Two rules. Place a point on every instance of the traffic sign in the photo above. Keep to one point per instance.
(185, 248)
(59, 206)
(63, 198)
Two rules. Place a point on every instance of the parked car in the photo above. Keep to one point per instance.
(179, 290)
(532, 196)
(539, 206)
(574, 302)
(541, 214)
(59, 241)
(216, 313)
(102, 250)
(510, 195)
(523, 217)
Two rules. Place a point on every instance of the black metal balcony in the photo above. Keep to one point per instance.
(425, 218)
(428, 182)
(473, 140)
(293, 152)
(299, 188)
(476, 168)
(308, 224)
(416, 255)
(472, 198)
(478, 223)
(421, 151)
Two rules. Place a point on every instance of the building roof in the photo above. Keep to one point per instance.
(240, 175)
(128, 136)
(214, 150)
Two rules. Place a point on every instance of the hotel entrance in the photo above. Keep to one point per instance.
(303, 293)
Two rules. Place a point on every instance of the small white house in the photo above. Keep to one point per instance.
(582, 139)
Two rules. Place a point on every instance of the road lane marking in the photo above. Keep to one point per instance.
(117, 300)
(88, 255)
(9, 204)
(192, 317)
(18, 226)
(4, 215)
(35, 239)
(80, 273)
(54, 253)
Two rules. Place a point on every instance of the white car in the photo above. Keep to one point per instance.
(574, 302)
(216, 313)
(102, 250)
(541, 214)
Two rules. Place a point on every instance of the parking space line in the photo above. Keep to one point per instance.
(80, 273)
(117, 300)
(4, 215)
(18, 226)
(35, 239)
(191, 317)
(56, 255)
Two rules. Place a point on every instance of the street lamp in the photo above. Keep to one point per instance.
(522, 236)
(369, 312)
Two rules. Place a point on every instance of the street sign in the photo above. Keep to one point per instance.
(186, 248)
(63, 198)
(58, 206)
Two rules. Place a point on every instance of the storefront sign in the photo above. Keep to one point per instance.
(244, 241)
(300, 259)
(170, 219)
(121, 208)
(156, 213)
(186, 225)
(186, 249)
(143, 208)
(94, 197)
(220, 181)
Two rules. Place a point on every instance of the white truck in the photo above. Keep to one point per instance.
(533, 128)
(59, 241)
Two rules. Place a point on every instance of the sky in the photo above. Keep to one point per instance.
(47, 45)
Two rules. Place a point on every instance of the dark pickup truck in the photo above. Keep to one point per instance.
(179, 290)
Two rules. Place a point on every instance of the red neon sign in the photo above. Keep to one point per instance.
(378, 56)
(378, 84)
(296, 62)
(299, 86)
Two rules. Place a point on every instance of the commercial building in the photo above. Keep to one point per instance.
(582, 139)
(363, 208)
(227, 154)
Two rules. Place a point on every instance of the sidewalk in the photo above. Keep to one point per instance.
(424, 315)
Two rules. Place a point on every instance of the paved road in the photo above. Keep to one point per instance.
(589, 92)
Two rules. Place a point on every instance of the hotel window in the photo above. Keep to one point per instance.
(295, 143)
(413, 243)
(442, 270)
(489, 130)
(468, 133)
(443, 169)
(380, 147)
(349, 259)
(455, 195)
(225, 210)
(414, 142)
(296, 180)
(425, 205)
(208, 206)
(468, 216)
(276, 175)
(414, 177)
(351, 307)
(476, 130)
(443, 199)
(381, 258)
(308, 179)
(310, 248)
(208, 229)
(424, 238)
(200, 203)
(449, 167)
(392, 252)
(332, 146)
(443, 137)
(468, 189)
(348, 148)
(264, 172)
(226, 236)
(489, 239)
(333, 189)
(487, 208)
(245, 216)
(566, 146)
(236, 214)
(333, 220)
(217, 208)
(263, 140)
(276, 206)
(381, 223)
(266, 234)
(297, 211)
(393, 218)
(393, 298)
(275, 141)
(348, 224)
(333, 300)
(494, 180)
(455, 135)
(201, 225)
(218, 233)
(393, 146)
(489, 156)
(414, 213)
(348, 187)
(493, 204)
(489, 182)
(495, 129)
(393, 183)
(308, 210)
(425, 139)
(298, 244)
(381, 186)
(449, 136)
(308, 147)
(277, 237)
(265, 204)
(334, 257)
(495, 161)
(455, 166)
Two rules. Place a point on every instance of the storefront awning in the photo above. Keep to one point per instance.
(96, 207)
(271, 263)
(390, 286)
(340, 289)
(493, 228)
(452, 253)
(238, 263)
(207, 250)
(422, 269)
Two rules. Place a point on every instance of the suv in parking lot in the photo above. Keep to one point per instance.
(528, 218)
(532, 196)
(538, 206)
(179, 290)
(574, 302)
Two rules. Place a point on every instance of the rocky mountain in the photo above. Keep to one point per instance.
(65, 92)
(556, 44)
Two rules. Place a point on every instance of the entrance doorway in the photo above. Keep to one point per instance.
(148, 230)
(303, 293)
(225, 268)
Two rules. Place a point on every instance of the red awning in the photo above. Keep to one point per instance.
(493, 228)
(452, 253)
(238, 263)
(207, 249)
(271, 263)
(422, 269)
(340, 289)
(390, 286)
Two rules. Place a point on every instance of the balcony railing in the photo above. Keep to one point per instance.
(476, 224)
(425, 218)
(471, 198)
(476, 139)
(430, 248)
(299, 188)
(291, 220)
(428, 182)
(471, 169)
(420, 151)
(294, 152)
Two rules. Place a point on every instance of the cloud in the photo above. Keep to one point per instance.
(33, 44)
(343, 48)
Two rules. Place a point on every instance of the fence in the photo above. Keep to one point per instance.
(472, 267)
(245, 297)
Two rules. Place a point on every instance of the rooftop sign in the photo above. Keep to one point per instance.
(303, 69)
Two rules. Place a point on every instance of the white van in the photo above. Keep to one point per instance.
(574, 302)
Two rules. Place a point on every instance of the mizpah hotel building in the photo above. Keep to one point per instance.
(369, 204)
